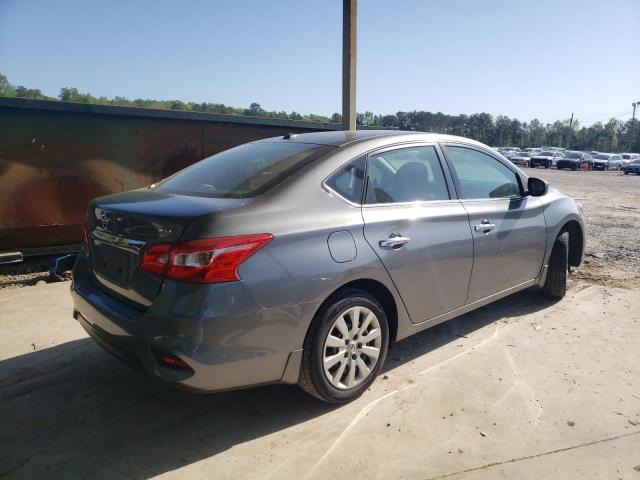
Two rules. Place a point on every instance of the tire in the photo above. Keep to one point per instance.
(574, 168)
(626, 172)
(555, 285)
(313, 377)
(546, 165)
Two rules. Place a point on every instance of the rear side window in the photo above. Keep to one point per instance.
(405, 175)
(243, 171)
(349, 180)
(482, 176)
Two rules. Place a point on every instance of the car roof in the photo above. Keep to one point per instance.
(341, 138)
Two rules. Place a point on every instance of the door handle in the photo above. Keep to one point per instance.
(395, 240)
(485, 226)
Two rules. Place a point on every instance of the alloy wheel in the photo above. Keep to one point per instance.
(352, 347)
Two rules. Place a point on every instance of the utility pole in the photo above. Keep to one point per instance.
(349, 24)
(569, 133)
(634, 105)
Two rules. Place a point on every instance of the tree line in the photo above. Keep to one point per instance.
(613, 136)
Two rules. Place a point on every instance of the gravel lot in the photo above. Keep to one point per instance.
(611, 208)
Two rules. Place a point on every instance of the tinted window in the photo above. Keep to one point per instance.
(406, 175)
(572, 155)
(482, 176)
(349, 180)
(243, 171)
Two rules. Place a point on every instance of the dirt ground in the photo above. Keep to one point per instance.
(611, 209)
(523, 388)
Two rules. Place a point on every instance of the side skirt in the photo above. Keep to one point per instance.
(418, 327)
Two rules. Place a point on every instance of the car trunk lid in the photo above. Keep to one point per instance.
(121, 226)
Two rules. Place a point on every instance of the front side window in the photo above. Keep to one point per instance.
(410, 174)
(243, 171)
(349, 180)
(482, 176)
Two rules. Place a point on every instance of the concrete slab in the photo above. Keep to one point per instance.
(523, 388)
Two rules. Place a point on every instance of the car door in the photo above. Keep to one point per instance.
(418, 231)
(508, 227)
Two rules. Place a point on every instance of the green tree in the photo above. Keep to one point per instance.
(6, 89)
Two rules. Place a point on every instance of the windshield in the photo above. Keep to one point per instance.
(545, 154)
(244, 171)
(572, 155)
(601, 156)
(636, 161)
(626, 157)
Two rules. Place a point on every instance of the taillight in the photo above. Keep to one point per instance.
(156, 258)
(203, 261)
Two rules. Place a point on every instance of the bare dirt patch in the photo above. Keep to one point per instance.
(611, 208)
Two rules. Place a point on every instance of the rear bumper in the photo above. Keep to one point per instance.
(226, 338)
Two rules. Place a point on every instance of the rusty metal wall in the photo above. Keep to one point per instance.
(55, 157)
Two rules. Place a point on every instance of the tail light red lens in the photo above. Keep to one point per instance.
(203, 261)
(156, 258)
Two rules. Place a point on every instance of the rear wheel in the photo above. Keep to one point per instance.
(555, 285)
(345, 348)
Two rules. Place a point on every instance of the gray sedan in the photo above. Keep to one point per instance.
(299, 259)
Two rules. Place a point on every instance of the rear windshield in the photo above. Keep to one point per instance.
(243, 171)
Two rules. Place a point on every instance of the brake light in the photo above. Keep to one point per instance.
(203, 261)
(156, 258)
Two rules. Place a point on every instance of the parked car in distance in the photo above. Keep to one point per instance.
(574, 161)
(299, 259)
(545, 159)
(532, 150)
(607, 161)
(521, 158)
(632, 167)
(629, 157)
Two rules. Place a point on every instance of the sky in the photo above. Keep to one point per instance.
(526, 59)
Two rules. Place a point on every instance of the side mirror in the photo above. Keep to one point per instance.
(537, 187)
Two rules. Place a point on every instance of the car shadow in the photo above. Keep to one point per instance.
(71, 411)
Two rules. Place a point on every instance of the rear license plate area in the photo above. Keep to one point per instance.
(113, 263)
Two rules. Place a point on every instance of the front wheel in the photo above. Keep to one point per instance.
(345, 347)
(555, 285)
(547, 165)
